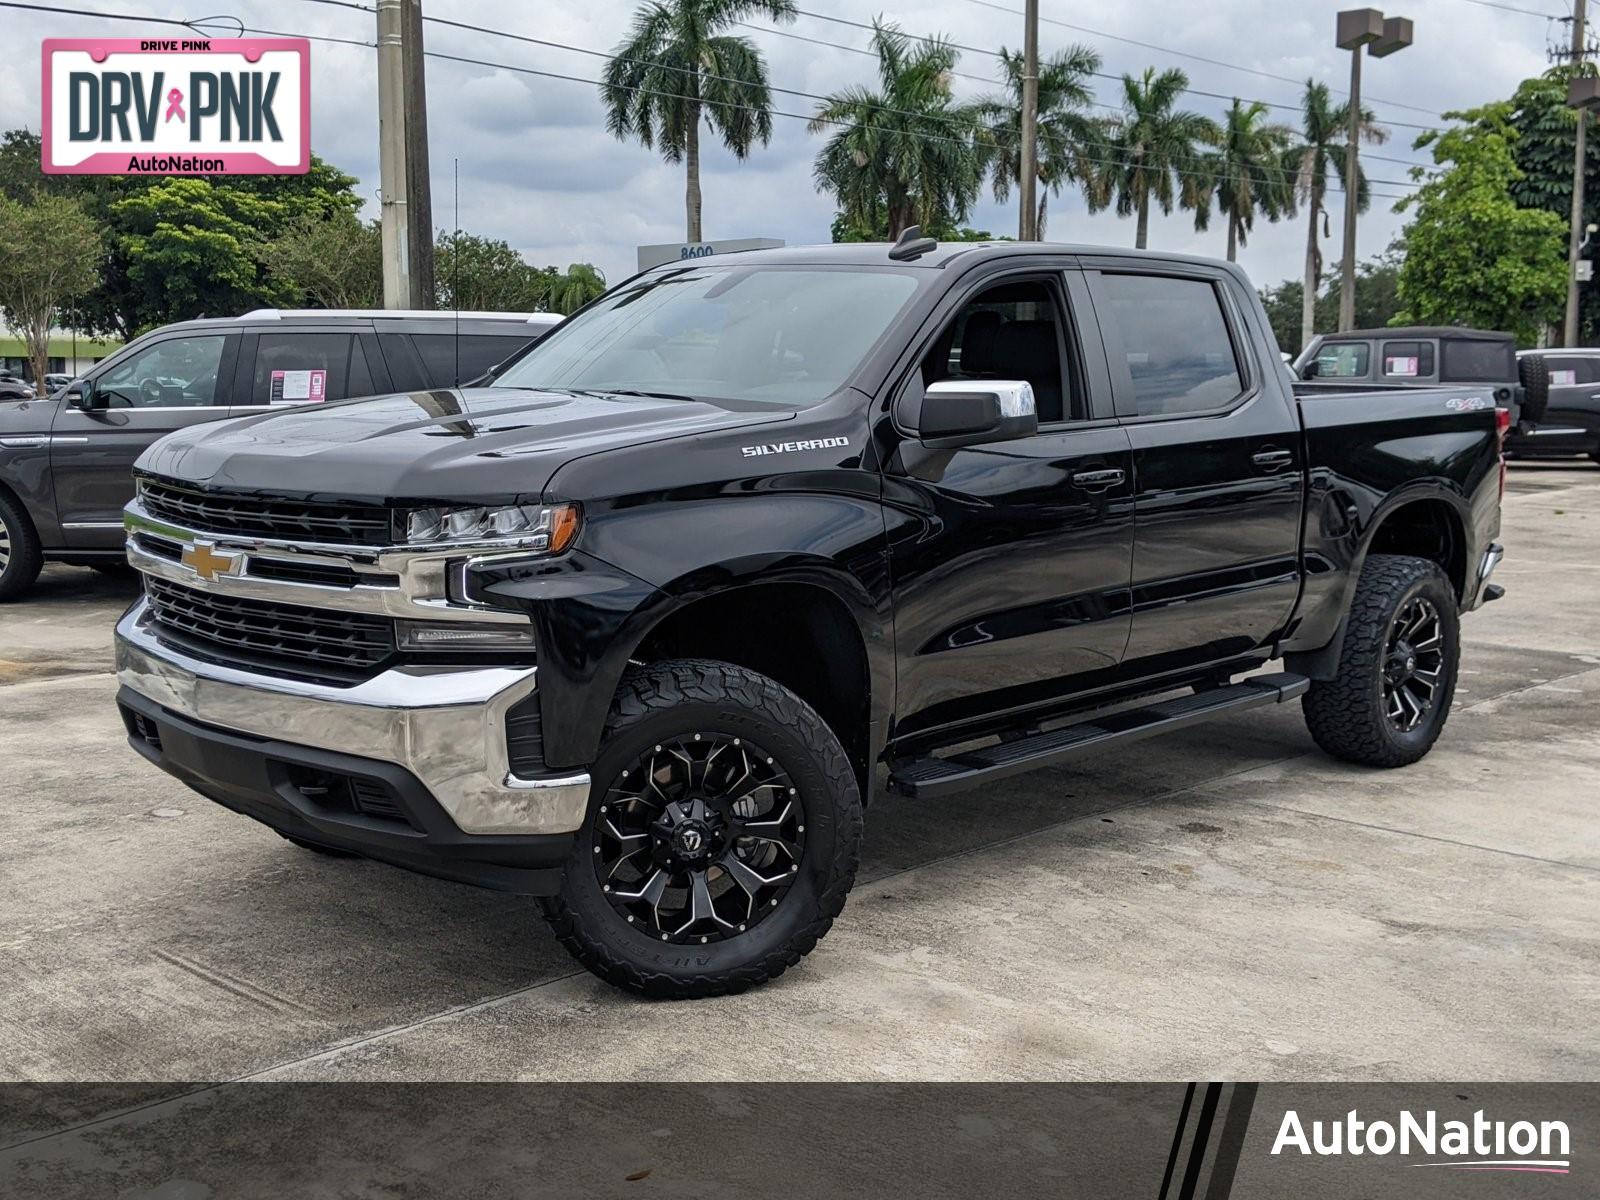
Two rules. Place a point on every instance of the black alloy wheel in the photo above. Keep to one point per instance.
(700, 838)
(1413, 664)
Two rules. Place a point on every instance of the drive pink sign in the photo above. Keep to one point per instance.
(194, 106)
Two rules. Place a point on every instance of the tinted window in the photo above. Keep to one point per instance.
(1570, 370)
(773, 335)
(1343, 360)
(478, 352)
(178, 373)
(1470, 360)
(1008, 332)
(308, 368)
(1407, 360)
(1176, 343)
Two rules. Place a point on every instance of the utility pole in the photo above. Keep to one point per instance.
(1027, 225)
(1569, 328)
(1358, 28)
(419, 198)
(392, 174)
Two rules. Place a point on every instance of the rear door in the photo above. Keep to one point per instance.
(1217, 464)
(164, 385)
(1571, 424)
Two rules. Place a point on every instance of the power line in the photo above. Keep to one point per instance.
(1194, 91)
(1201, 58)
(808, 118)
(1512, 8)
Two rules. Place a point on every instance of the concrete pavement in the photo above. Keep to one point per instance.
(1225, 901)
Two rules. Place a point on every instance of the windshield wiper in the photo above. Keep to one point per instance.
(636, 392)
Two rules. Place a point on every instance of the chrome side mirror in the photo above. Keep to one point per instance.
(966, 412)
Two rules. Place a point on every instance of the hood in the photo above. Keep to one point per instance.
(464, 445)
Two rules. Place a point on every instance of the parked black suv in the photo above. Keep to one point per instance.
(1571, 424)
(66, 462)
(641, 627)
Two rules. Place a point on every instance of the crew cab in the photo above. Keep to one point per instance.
(643, 624)
(66, 455)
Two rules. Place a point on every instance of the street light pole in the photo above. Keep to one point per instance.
(1358, 28)
(1028, 170)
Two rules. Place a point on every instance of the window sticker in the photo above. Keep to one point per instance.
(1563, 378)
(1401, 365)
(298, 387)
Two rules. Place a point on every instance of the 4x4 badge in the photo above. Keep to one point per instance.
(204, 561)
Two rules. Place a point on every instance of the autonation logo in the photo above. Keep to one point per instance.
(1478, 1145)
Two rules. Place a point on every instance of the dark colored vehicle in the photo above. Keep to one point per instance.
(66, 461)
(641, 626)
(14, 388)
(1428, 356)
(1571, 424)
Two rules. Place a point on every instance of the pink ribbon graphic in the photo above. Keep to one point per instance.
(175, 105)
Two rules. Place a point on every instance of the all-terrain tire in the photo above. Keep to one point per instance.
(684, 697)
(19, 550)
(1347, 714)
(1534, 375)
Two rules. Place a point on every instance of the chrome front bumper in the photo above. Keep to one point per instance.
(445, 725)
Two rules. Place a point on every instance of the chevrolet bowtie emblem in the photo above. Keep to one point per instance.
(204, 561)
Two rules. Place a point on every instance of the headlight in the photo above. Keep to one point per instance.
(540, 528)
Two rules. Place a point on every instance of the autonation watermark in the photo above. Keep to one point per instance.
(1481, 1144)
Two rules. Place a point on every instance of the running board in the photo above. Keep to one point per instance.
(933, 777)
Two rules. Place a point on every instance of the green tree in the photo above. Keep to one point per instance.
(676, 67)
(575, 287)
(1473, 256)
(334, 261)
(1157, 152)
(845, 230)
(51, 248)
(1377, 299)
(1068, 137)
(908, 151)
(1547, 133)
(1248, 169)
(1319, 153)
(479, 274)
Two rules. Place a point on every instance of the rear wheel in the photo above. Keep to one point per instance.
(21, 559)
(722, 837)
(1396, 678)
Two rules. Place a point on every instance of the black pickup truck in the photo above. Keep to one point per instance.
(642, 626)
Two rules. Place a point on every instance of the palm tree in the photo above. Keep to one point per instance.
(676, 66)
(907, 153)
(1324, 135)
(1067, 136)
(1156, 151)
(575, 287)
(1248, 169)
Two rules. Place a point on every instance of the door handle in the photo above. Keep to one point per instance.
(1099, 481)
(1272, 459)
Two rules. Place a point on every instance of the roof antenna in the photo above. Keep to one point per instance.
(455, 267)
(912, 245)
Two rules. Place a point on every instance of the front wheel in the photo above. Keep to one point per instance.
(20, 557)
(721, 839)
(1389, 700)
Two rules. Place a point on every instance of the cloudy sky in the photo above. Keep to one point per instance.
(538, 169)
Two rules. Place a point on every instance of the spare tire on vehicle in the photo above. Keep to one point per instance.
(1534, 374)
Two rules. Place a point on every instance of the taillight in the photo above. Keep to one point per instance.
(1502, 424)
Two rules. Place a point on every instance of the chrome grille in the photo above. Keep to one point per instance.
(287, 638)
(255, 516)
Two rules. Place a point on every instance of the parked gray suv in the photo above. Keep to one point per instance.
(66, 462)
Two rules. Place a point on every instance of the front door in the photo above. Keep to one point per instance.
(1217, 463)
(160, 387)
(1010, 561)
